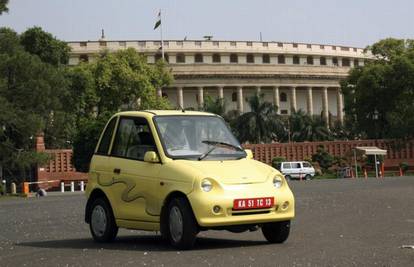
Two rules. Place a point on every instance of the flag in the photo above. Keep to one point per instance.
(158, 23)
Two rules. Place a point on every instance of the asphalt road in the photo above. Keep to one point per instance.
(338, 223)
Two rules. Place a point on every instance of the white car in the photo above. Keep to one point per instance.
(296, 169)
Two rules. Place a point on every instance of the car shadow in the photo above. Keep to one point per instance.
(140, 243)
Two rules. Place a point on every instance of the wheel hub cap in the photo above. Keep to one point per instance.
(98, 221)
(176, 224)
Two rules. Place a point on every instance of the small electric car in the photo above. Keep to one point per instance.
(181, 172)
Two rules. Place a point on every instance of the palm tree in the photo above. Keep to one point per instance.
(307, 128)
(261, 124)
(216, 106)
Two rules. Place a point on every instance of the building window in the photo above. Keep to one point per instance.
(296, 60)
(284, 112)
(266, 58)
(249, 44)
(84, 58)
(180, 58)
(234, 58)
(83, 44)
(142, 43)
(335, 61)
(283, 97)
(355, 49)
(197, 43)
(102, 43)
(216, 58)
(309, 60)
(322, 61)
(234, 97)
(198, 58)
(333, 47)
(279, 44)
(250, 58)
(180, 43)
(344, 48)
(122, 44)
(356, 62)
(165, 95)
(158, 56)
(215, 43)
(232, 43)
(265, 44)
(281, 59)
(346, 62)
(295, 45)
(309, 46)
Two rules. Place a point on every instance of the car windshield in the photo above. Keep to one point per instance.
(197, 137)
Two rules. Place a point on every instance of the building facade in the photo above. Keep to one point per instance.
(290, 75)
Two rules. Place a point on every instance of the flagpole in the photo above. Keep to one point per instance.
(162, 40)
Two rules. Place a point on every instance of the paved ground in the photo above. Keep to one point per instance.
(339, 223)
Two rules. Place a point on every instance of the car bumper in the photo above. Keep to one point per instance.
(203, 204)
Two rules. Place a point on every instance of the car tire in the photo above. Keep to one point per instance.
(308, 177)
(288, 177)
(102, 224)
(180, 227)
(276, 232)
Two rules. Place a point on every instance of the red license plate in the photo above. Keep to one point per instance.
(253, 203)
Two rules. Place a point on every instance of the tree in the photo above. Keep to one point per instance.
(324, 159)
(306, 128)
(379, 97)
(262, 124)
(3, 6)
(216, 106)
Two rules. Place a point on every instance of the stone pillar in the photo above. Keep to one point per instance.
(240, 99)
(200, 96)
(180, 98)
(258, 90)
(293, 104)
(309, 101)
(276, 100)
(220, 92)
(340, 107)
(159, 92)
(325, 106)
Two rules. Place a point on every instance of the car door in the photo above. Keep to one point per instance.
(287, 170)
(296, 169)
(134, 180)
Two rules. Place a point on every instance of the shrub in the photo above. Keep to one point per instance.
(324, 159)
(277, 160)
(404, 166)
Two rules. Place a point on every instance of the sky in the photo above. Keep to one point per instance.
(342, 22)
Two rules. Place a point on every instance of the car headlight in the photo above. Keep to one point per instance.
(277, 182)
(206, 185)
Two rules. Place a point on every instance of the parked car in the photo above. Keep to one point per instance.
(181, 172)
(296, 170)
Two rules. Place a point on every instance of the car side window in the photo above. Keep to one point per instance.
(286, 166)
(106, 138)
(306, 165)
(296, 165)
(133, 139)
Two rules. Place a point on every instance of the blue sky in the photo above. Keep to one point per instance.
(351, 22)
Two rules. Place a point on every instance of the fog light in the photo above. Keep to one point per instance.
(285, 205)
(216, 209)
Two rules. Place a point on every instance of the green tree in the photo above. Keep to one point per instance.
(3, 6)
(262, 124)
(379, 97)
(324, 159)
(216, 106)
(306, 128)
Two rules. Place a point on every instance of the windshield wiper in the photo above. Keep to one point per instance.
(217, 144)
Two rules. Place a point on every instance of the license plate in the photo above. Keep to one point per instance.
(253, 203)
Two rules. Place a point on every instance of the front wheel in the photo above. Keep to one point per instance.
(308, 177)
(181, 228)
(102, 225)
(276, 232)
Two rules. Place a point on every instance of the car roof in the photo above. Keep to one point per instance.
(152, 113)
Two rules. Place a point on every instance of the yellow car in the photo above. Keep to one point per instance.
(181, 172)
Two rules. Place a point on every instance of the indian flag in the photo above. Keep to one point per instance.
(158, 23)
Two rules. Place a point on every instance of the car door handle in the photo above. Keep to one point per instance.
(117, 171)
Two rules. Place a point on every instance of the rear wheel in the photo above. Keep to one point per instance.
(308, 177)
(180, 227)
(102, 224)
(276, 232)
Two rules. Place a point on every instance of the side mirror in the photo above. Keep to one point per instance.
(249, 154)
(151, 157)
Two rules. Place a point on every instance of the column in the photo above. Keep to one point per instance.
(180, 98)
(159, 92)
(258, 90)
(276, 100)
(220, 92)
(325, 109)
(240, 99)
(293, 104)
(339, 105)
(200, 96)
(310, 101)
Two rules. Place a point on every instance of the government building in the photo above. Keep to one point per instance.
(290, 75)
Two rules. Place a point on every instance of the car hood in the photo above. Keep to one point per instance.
(244, 171)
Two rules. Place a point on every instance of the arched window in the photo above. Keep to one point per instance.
(281, 59)
(198, 58)
(296, 60)
(283, 97)
(346, 62)
(322, 61)
(250, 58)
(84, 58)
(266, 58)
(234, 97)
(216, 58)
(180, 58)
(234, 58)
(309, 60)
